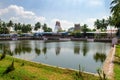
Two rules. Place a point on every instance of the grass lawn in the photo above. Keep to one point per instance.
(25, 70)
(117, 63)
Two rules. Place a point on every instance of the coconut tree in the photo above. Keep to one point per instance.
(10, 24)
(97, 24)
(101, 24)
(104, 24)
(44, 27)
(26, 28)
(115, 10)
(4, 28)
(84, 29)
(37, 26)
(111, 23)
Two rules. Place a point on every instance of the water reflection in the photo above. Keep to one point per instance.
(54, 53)
(76, 49)
(57, 49)
(99, 57)
(5, 49)
(37, 51)
(85, 48)
(22, 48)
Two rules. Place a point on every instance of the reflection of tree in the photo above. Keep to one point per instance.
(57, 49)
(37, 51)
(76, 49)
(100, 57)
(44, 50)
(5, 49)
(21, 48)
(85, 48)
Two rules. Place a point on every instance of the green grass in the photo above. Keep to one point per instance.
(25, 70)
(117, 54)
(117, 63)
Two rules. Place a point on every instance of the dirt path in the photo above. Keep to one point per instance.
(108, 64)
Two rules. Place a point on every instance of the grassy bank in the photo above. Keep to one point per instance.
(117, 63)
(25, 70)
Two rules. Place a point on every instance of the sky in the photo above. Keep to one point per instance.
(68, 12)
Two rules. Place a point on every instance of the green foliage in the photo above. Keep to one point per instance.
(76, 34)
(115, 10)
(17, 26)
(101, 24)
(21, 28)
(10, 24)
(37, 26)
(46, 28)
(26, 28)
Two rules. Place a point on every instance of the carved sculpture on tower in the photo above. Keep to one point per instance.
(57, 27)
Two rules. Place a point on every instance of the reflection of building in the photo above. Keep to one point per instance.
(76, 27)
(57, 26)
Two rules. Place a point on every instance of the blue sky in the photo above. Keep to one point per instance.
(68, 12)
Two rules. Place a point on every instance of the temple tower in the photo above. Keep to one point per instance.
(57, 27)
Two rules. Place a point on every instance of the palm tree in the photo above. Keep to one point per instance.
(10, 24)
(4, 28)
(26, 28)
(111, 23)
(97, 24)
(101, 24)
(104, 24)
(115, 10)
(84, 29)
(37, 26)
(44, 27)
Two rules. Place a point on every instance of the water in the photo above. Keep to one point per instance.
(90, 55)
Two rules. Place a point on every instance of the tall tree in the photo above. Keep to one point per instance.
(17, 27)
(101, 24)
(4, 29)
(84, 29)
(104, 24)
(44, 27)
(115, 10)
(97, 24)
(10, 24)
(37, 26)
(26, 28)
(110, 23)
(49, 29)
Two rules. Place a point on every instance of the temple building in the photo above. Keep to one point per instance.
(57, 27)
(76, 27)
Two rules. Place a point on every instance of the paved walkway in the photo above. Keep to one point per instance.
(108, 64)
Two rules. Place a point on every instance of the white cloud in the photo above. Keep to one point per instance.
(87, 2)
(95, 2)
(19, 14)
(90, 22)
